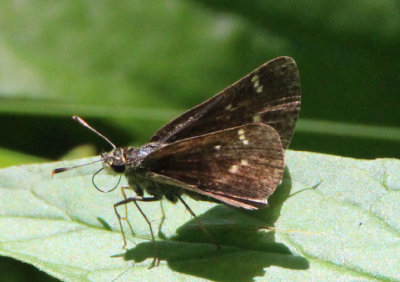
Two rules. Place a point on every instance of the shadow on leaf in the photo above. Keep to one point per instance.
(247, 246)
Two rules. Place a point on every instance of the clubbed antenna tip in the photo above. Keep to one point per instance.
(62, 169)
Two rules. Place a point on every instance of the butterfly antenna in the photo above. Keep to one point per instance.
(85, 124)
(62, 169)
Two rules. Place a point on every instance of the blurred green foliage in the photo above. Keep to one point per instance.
(130, 66)
(133, 65)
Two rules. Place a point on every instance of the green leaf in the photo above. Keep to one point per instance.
(333, 217)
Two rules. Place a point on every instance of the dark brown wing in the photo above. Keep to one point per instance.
(269, 94)
(240, 166)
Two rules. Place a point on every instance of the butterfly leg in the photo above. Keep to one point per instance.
(135, 200)
(123, 188)
(163, 217)
(199, 221)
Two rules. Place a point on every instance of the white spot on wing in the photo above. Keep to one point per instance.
(256, 118)
(244, 162)
(229, 107)
(242, 137)
(233, 169)
(217, 147)
(256, 84)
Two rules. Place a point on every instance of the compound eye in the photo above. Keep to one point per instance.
(119, 168)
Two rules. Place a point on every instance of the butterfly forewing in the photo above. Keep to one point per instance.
(269, 94)
(240, 166)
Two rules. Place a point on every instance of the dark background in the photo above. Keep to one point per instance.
(128, 67)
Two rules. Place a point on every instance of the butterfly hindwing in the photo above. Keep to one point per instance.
(269, 94)
(240, 166)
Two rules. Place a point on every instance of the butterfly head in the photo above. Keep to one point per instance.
(115, 160)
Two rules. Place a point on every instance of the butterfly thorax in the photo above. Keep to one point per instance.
(135, 156)
(128, 159)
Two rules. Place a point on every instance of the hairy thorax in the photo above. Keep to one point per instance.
(136, 174)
